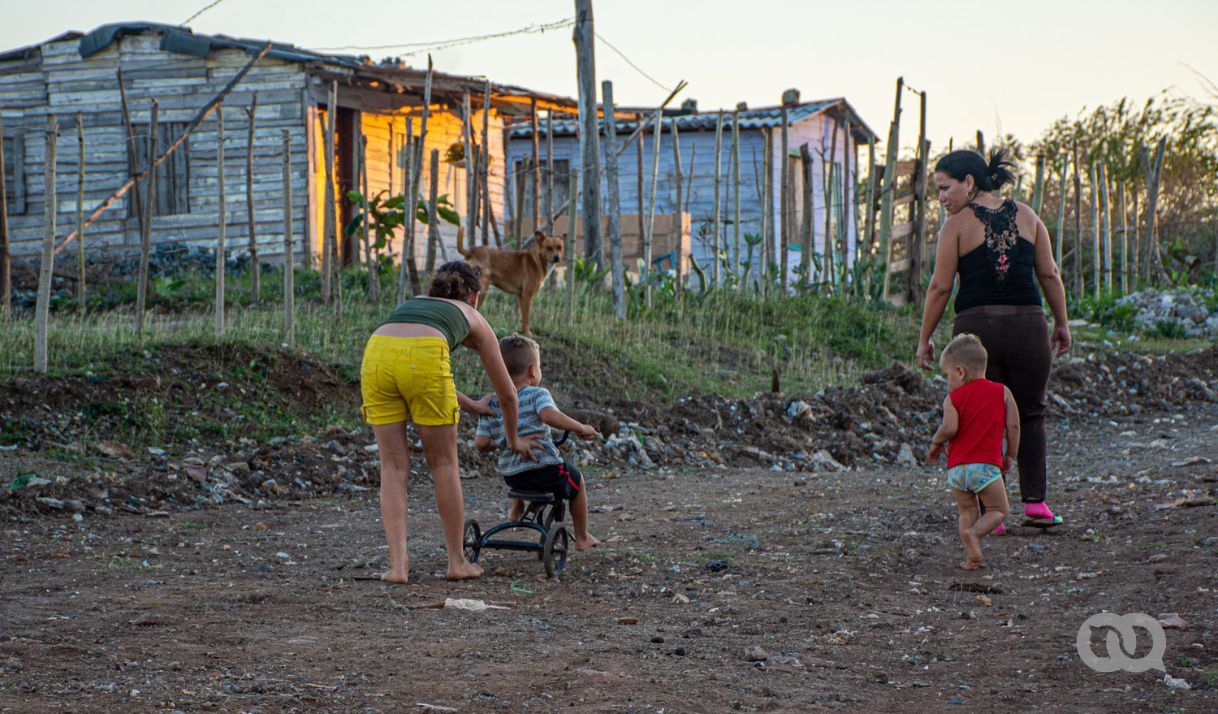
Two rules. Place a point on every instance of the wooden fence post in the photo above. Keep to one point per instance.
(328, 237)
(785, 199)
(255, 269)
(678, 204)
(847, 202)
(888, 192)
(807, 230)
(873, 184)
(1038, 188)
(471, 180)
(149, 209)
(222, 216)
(917, 240)
(46, 267)
(289, 265)
(645, 272)
(1096, 238)
(828, 164)
(374, 268)
(409, 268)
(81, 293)
(1076, 263)
(535, 174)
(766, 199)
(639, 195)
(433, 222)
(6, 270)
(589, 136)
(736, 196)
(549, 202)
(132, 169)
(716, 242)
(484, 172)
(615, 200)
(572, 231)
(1137, 238)
(1124, 236)
(1060, 239)
(1106, 218)
(1154, 171)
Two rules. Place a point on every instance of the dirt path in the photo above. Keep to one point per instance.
(845, 580)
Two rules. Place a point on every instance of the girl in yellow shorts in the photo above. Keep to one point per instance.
(406, 373)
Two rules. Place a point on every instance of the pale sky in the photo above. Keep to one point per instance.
(985, 65)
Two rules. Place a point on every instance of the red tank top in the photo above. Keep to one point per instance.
(981, 405)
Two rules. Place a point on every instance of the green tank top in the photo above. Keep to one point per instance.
(440, 314)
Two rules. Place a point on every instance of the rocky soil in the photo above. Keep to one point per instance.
(717, 589)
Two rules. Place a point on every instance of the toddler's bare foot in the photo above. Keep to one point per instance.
(970, 565)
(587, 542)
(464, 571)
(972, 549)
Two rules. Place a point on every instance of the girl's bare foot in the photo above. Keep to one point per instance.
(464, 571)
(972, 549)
(395, 577)
(587, 542)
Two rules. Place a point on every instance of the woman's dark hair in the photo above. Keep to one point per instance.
(989, 177)
(456, 280)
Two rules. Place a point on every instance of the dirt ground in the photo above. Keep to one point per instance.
(846, 580)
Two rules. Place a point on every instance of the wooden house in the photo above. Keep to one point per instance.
(811, 123)
(76, 75)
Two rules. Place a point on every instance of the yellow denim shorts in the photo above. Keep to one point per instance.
(404, 377)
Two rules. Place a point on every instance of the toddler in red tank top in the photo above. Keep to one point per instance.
(976, 415)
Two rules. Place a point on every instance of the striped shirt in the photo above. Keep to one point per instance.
(533, 401)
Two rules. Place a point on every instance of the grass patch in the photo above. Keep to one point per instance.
(724, 342)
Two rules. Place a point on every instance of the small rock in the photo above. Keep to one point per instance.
(1176, 682)
(1172, 621)
(51, 502)
(114, 449)
(198, 474)
(628, 621)
(906, 456)
(755, 653)
(657, 640)
(716, 566)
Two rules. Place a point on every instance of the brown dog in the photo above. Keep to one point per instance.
(516, 272)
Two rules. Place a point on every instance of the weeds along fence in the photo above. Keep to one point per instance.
(722, 341)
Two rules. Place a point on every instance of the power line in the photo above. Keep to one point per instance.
(636, 68)
(206, 7)
(419, 47)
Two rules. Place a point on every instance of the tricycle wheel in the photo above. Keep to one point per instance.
(554, 555)
(472, 540)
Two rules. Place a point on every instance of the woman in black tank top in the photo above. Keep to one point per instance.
(1000, 250)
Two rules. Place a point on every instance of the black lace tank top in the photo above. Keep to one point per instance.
(1001, 270)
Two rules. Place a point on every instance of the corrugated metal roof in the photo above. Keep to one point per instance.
(182, 40)
(763, 118)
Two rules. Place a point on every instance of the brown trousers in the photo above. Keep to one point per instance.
(1017, 340)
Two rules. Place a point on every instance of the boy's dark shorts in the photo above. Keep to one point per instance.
(563, 480)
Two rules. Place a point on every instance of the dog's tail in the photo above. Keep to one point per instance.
(461, 240)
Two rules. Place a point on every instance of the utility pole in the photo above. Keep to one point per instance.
(589, 135)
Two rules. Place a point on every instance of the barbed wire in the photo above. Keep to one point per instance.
(204, 9)
(419, 47)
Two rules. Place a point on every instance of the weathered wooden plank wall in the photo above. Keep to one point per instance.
(181, 84)
(815, 131)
